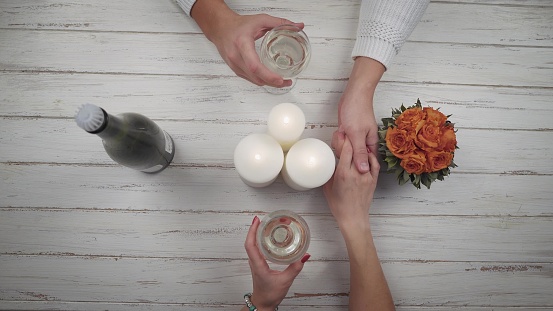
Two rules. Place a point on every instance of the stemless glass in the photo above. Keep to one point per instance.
(285, 50)
(283, 237)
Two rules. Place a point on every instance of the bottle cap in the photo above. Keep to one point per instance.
(90, 117)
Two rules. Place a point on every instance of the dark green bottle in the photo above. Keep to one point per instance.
(130, 139)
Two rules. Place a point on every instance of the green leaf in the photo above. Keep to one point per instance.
(392, 163)
(406, 176)
(433, 176)
(387, 122)
(417, 180)
(399, 173)
(426, 181)
(402, 181)
(382, 134)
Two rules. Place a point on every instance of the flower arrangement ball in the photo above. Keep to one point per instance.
(418, 144)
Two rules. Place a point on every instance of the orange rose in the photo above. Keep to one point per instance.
(414, 163)
(435, 117)
(437, 160)
(399, 142)
(409, 119)
(448, 141)
(428, 136)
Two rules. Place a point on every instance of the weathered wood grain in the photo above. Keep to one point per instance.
(78, 232)
(209, 235)
(522, 24)
(213, 143)
(191, 98)
(100, 279)
(196, 189)
(87, 306)
(175, 54)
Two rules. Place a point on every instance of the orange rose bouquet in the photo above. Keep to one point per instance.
(418, 144)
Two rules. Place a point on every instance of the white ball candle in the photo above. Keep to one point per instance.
(258, 159)
(309, 164)
(286, 124)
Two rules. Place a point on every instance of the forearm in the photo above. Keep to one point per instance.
(366, 74)
(363, 80)
(210, 15)
(368, 287)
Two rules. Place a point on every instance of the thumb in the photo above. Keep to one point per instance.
(360, 153)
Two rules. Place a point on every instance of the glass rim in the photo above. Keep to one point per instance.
(300, 252)
(264, 45)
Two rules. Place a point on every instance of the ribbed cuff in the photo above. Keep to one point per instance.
(378, 49)
(186, 5)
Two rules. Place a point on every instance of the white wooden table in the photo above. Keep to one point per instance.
(79, 232)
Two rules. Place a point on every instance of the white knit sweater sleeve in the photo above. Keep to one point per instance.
(384, 25)
(186, 5)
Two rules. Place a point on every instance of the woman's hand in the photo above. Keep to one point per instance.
(350, 193)
(269, 286)
(234, 36)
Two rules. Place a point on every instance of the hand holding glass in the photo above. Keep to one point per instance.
(283, 237)
(285, 50)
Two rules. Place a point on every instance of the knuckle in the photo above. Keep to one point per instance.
(284, 21)
(253, 68)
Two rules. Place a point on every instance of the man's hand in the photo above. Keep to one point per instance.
(234, 36)
(355, 111)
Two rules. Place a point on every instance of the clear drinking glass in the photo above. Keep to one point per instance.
(283, 237)
(286, 51)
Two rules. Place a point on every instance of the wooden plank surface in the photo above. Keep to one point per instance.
(208, 189)
(78, 232)
(100, 279)
(518, 25)
(213, 143)
(176, 54)
(54, 95)
(85, 306)
(184, 235)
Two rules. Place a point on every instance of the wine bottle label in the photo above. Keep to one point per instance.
(153, 169)
(168, 143)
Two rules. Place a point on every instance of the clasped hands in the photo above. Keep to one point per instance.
(234, 35)
(350, 191)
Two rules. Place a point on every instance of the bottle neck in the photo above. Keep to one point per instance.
(113, 127)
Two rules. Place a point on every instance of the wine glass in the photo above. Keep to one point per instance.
(285, 50)
(283, 237)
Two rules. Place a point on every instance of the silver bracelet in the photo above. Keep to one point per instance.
(249, 304)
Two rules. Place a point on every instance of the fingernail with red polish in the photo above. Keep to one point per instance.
(254, 219)
(305, 257)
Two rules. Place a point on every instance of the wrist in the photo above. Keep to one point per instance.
(357, 228)
(366, 74)
(255, 304)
